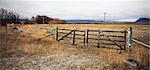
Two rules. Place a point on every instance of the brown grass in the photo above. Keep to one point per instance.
(27, 43)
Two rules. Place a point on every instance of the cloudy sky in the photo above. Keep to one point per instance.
(80, 9)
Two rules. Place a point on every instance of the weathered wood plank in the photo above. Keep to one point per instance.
(98, 39)
(107, 35)
(102, 43)
(84, 38)
(72, 29)
(73, 37)
(106, 39)
(129, 38)
(79, 34)
(114, 42)
(125, 34)
(79, 30)
(87, 33)
(141, 43)
(71, 34)
(65, 29)
(65, 35)
(113, 31)
(118, 31)
(56, 33)
(63, 32)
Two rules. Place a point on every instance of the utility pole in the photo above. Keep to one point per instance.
(105, 16)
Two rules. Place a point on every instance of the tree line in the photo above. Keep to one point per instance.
(8, 16)
(41, 19)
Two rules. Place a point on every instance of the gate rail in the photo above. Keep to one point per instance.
(125, 37)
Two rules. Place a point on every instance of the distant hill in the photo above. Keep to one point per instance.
(83, 20)
(140, 20)
(143, 20)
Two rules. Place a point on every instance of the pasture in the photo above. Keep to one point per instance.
(24, 50)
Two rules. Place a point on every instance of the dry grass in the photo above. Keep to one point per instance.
(27, 43)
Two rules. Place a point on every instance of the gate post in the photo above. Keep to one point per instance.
(73, 37)
(87, 33)
(98, 39)
(84, 38)
(56, 33)
(129, 38)
(125, 39)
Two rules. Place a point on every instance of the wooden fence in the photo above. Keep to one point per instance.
(119, 38)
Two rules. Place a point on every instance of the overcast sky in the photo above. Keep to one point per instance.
(80, 9)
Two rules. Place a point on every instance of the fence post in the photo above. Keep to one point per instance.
(87, 33)
(98, 38)
(56, 32)
(73, 37)
(125, 38)
(84, 37)
(129, 38)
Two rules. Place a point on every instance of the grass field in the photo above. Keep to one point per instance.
(19, 50)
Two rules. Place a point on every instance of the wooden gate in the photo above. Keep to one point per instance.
(98, 38)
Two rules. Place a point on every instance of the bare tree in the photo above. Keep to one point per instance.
(8, 16)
